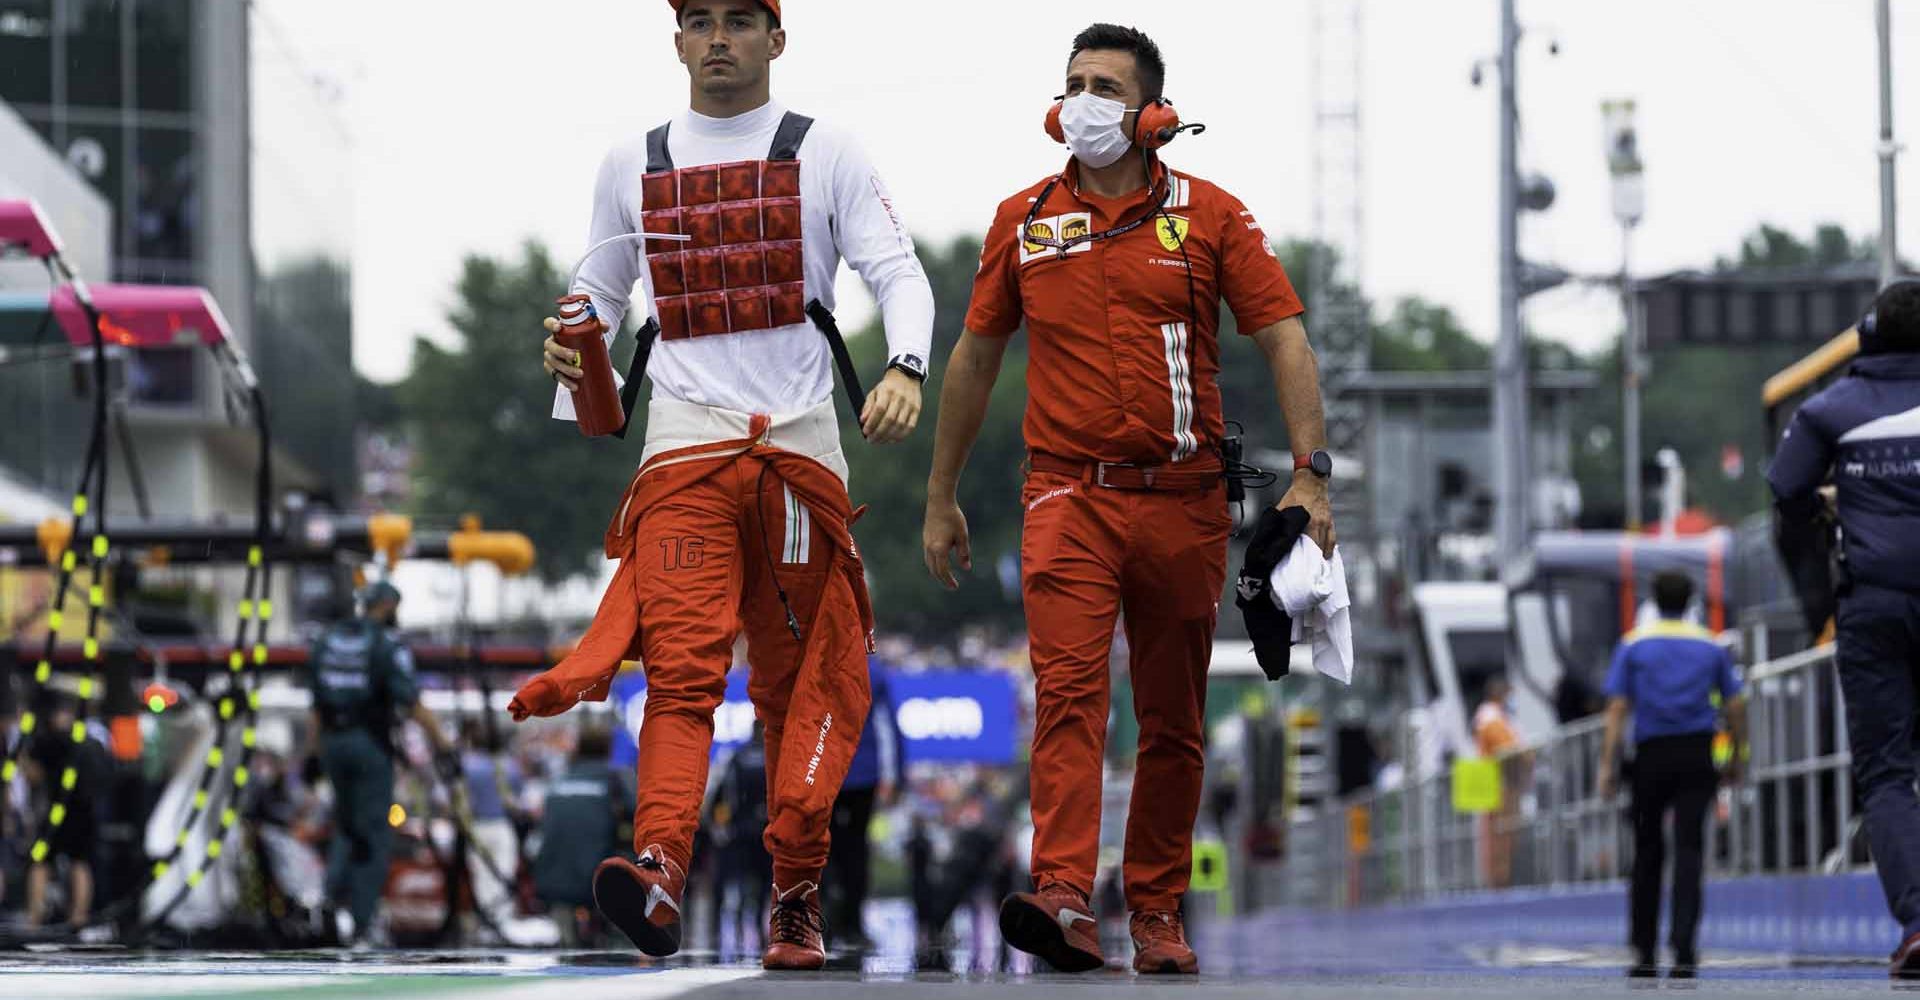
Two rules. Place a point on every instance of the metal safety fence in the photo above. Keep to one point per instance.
(1792, 812)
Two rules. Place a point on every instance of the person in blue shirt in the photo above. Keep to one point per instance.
(1666, 675)
(1862, 433)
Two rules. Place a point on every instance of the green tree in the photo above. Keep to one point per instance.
(1769, 248)
(1246, 381)
(1697, 400)
(1417, 335)
(1701, 400)
(478, 413)
(893, 478)
(1425, 336)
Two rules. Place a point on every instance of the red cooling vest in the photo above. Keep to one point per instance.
(744, 268)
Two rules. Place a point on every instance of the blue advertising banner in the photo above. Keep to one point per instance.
(962, 716)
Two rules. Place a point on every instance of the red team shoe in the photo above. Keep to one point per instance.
(1160, 944)
(793, 930)
(642, 899)
(1057, 924)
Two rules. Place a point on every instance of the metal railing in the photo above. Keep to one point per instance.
(1792, 812)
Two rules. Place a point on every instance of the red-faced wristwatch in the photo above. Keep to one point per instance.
(1316, 461)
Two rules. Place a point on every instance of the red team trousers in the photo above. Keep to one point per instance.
(708, 539)
(1088, 555)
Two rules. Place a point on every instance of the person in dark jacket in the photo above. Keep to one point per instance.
(361, 677)
(873, 779)
(580, 826)
(1863, 433)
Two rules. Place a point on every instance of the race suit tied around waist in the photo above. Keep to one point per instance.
(614, 635)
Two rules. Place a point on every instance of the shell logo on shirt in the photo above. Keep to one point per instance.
(1067, 227)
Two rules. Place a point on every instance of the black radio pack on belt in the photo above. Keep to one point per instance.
(1231, 450)
(1234, 468)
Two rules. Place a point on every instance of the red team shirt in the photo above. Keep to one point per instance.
(1114, 373)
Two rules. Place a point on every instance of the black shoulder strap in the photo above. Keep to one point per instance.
(787, 138)
(658, 159)
(849, 375)
(637, 370)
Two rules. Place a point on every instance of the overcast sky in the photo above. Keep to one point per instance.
(477, 125)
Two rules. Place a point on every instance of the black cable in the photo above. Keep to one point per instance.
(1238, 473)
(91, 497)
(128, 455)
(256, 607)
(84, 497)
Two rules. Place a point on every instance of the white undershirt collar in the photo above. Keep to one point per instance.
(743, 124)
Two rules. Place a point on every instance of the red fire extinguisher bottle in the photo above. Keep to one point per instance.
(596, 403)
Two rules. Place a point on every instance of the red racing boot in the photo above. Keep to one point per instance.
(643, 899)
(1160, 944)
(793, 930)
(1056, 924)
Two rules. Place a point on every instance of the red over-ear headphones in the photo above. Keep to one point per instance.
(1157, 124)
(1154, 127)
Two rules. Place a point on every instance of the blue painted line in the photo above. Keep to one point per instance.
(1801, 917)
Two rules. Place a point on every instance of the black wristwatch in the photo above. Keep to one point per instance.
(1316, 461)
(910, 365)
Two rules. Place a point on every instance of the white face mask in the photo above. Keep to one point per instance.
(1091, 124)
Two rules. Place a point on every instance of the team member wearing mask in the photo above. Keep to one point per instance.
(1117, 266)
(738, 517)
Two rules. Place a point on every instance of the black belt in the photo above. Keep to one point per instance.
(1188, 478)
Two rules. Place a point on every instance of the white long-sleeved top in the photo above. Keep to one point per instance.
(845, 213)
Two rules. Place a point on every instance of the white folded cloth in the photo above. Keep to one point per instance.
(1312, 590)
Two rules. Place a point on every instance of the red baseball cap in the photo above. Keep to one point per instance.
(772, 5)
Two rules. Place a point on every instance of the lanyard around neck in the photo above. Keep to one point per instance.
(1064, 246)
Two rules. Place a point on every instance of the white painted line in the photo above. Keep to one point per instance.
(372, 982)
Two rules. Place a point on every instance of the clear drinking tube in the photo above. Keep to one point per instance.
(574, 278)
